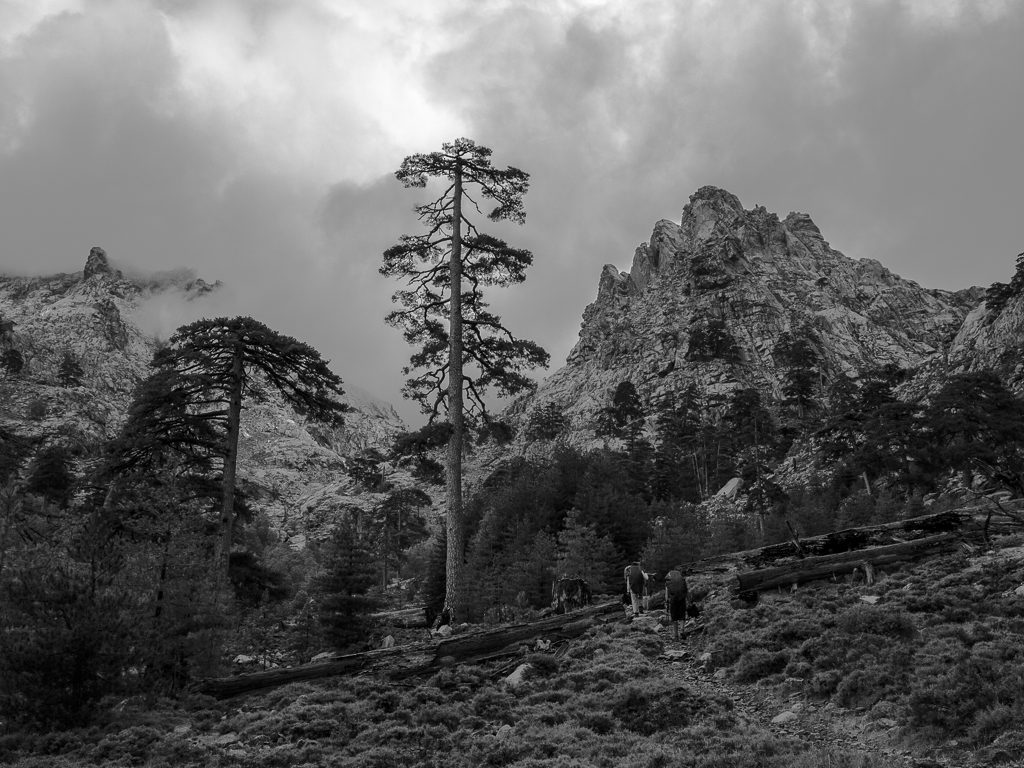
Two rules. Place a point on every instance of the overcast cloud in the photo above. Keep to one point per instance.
(255, 140)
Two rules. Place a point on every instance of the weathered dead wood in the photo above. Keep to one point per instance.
(226, 687)
(404, 618)
(405, 661)
(826, 566)
(847, 540)
(475, 644)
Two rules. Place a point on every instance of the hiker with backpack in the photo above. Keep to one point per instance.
(635, 580)
(675, 598)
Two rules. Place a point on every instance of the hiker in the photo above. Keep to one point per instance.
(675, 598)
(635, 579)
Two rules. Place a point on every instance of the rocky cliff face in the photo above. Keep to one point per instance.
(96, 316)
(993, 340)
(749, 277)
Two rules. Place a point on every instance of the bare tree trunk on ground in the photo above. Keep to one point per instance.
(407, 661)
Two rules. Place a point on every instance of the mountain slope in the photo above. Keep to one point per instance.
(741, 278)
(97, 316)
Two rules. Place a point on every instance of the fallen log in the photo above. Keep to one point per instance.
(475, 645)
(826, 566)
(405, 661)
(846, 540)
(404, 618)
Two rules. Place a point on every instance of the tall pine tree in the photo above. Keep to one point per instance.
(463, 349)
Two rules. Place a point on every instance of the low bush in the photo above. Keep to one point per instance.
(873, 620)
(758, 663)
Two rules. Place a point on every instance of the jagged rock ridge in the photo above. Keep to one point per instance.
(755, 276)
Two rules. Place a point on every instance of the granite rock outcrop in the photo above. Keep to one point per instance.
(752, 277)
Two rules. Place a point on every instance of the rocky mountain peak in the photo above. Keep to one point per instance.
(97, 264)
(708, 298)
(711, 209)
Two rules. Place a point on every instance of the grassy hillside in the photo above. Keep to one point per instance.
(924, 667)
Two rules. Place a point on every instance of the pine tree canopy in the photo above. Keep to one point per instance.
(192, 403)
(424, 262)
(205, 351)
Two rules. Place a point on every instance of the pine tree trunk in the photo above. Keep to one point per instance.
(227, 510)
(454, 568)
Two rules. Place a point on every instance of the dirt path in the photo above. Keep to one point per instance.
(826, 727)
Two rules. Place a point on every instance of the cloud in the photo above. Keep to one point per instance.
(254, 140)
(328, 90)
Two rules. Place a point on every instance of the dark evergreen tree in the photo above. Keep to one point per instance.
(676, 432)
(13, 361)
(878, 386)
(414, 449)
(585, 554)
(712, 341)
(605, 498)
(796, 354)
(77, 625)
(842, 395)
(749, 422)
(845, 429)
(895, 444)
(51, 476)
(978, 425)
(369, 468)
(463, 349)
(395, 525)
(434, 588)
(15, 532)
(624, 418)
(70, 372)
(167, 426)
(751, 435)
(547, 422)
(15, 450)
(678, 535)
(219, 362)
(348, 574)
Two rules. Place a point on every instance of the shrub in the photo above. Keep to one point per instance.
(758, 663)
(36, 410)
(70, 372)
(873, 620)
(542, 664)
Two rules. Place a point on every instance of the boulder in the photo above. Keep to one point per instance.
(518, 677)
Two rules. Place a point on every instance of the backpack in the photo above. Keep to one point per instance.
(676, 585)
(636, 578)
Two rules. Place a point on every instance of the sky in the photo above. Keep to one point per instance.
(255, 142)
